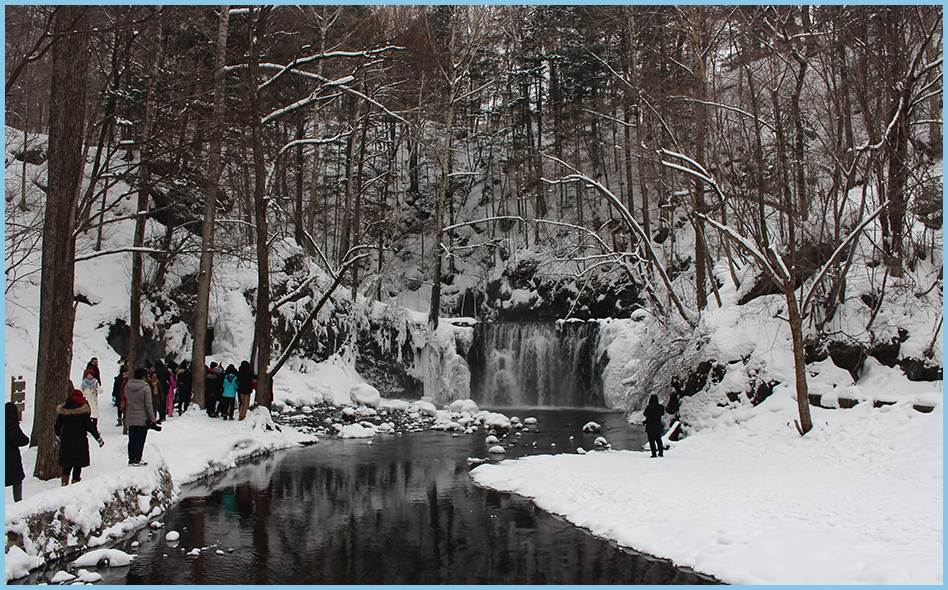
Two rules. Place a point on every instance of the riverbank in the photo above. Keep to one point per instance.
(86, 515)
(858, 500)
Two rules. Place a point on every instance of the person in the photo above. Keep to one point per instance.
(15, 440)
(169, 400)
(182, 396)
(244, 387)
(653, 425)
(117, 396)
(210, 390)
(228, 393)
(164, 384)
(152, 380)
(90, 391)
(94, 367)
(72, 423)
(139, 413)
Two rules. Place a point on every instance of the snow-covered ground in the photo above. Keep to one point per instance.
(857, 501)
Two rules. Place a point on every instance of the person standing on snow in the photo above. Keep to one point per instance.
(72, 423)
(15, 440)
(229, 393)
(139, 413)
(182, 396)
(118, 397)
(90, 391)
(164, 384)
(94, 367)
(244, 387)
(654, 426)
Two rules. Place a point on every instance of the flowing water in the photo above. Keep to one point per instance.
(401, 510)
(532, 364)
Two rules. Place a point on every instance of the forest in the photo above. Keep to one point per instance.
(468, 152)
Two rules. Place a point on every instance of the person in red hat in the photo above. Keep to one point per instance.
(73, 421)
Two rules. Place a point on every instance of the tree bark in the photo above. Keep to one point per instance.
(70, 64)
(435, 310)
(799, 361)
(144, 181)
(210, 208)
(262, 327)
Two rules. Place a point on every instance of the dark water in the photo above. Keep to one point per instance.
(402, 510)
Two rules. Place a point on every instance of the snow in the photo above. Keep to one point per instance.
(112, 557)
(365, 394)
(858, 500)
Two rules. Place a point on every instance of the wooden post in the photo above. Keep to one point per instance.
(18, 393)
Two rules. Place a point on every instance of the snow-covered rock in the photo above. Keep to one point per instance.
(497, 450)
(110, 557)
(492, 440)
(592, 427)
(355, 431)
(464, 405)
(366, 395)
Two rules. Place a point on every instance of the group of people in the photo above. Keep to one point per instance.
(224, 387)
(142, 402)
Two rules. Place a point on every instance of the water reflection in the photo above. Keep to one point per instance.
(402, 510)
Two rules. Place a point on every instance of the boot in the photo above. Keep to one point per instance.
(66, 480)
(76, 480)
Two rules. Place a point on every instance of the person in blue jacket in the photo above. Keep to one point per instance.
(228, 393)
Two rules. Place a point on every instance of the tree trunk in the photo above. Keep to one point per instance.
(435, 310)
(210, 208)
(262, 327)
(144, 180)
(69, 65)
(799, 360)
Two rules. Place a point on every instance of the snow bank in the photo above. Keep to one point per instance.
(858, 500)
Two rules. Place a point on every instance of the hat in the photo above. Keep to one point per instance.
(77, 397)
(90, 372)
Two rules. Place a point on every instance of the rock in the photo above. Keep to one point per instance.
(366, 395)
(601, 442)
(497, 449)
(581, 450)
(172, 536)
(492, 440)
(592, 427)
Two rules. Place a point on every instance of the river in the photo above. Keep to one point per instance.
(393, 509)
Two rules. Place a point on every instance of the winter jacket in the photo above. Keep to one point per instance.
(230, 385)
(184, 384)
(90, 389)
(139, 410)
(244, 379)
(72, 423)
(117, 389)
(15, 440)
(654, 425)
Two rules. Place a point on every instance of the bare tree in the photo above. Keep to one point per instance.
(210, 210)
(70, 63)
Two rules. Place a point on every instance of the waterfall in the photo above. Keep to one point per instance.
(531, 364)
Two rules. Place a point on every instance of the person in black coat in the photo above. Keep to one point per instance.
(15, 440)
(654, 426)
(182, 395)
(94, 367)
(73, 421)
(164, 383)
(245, 379)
